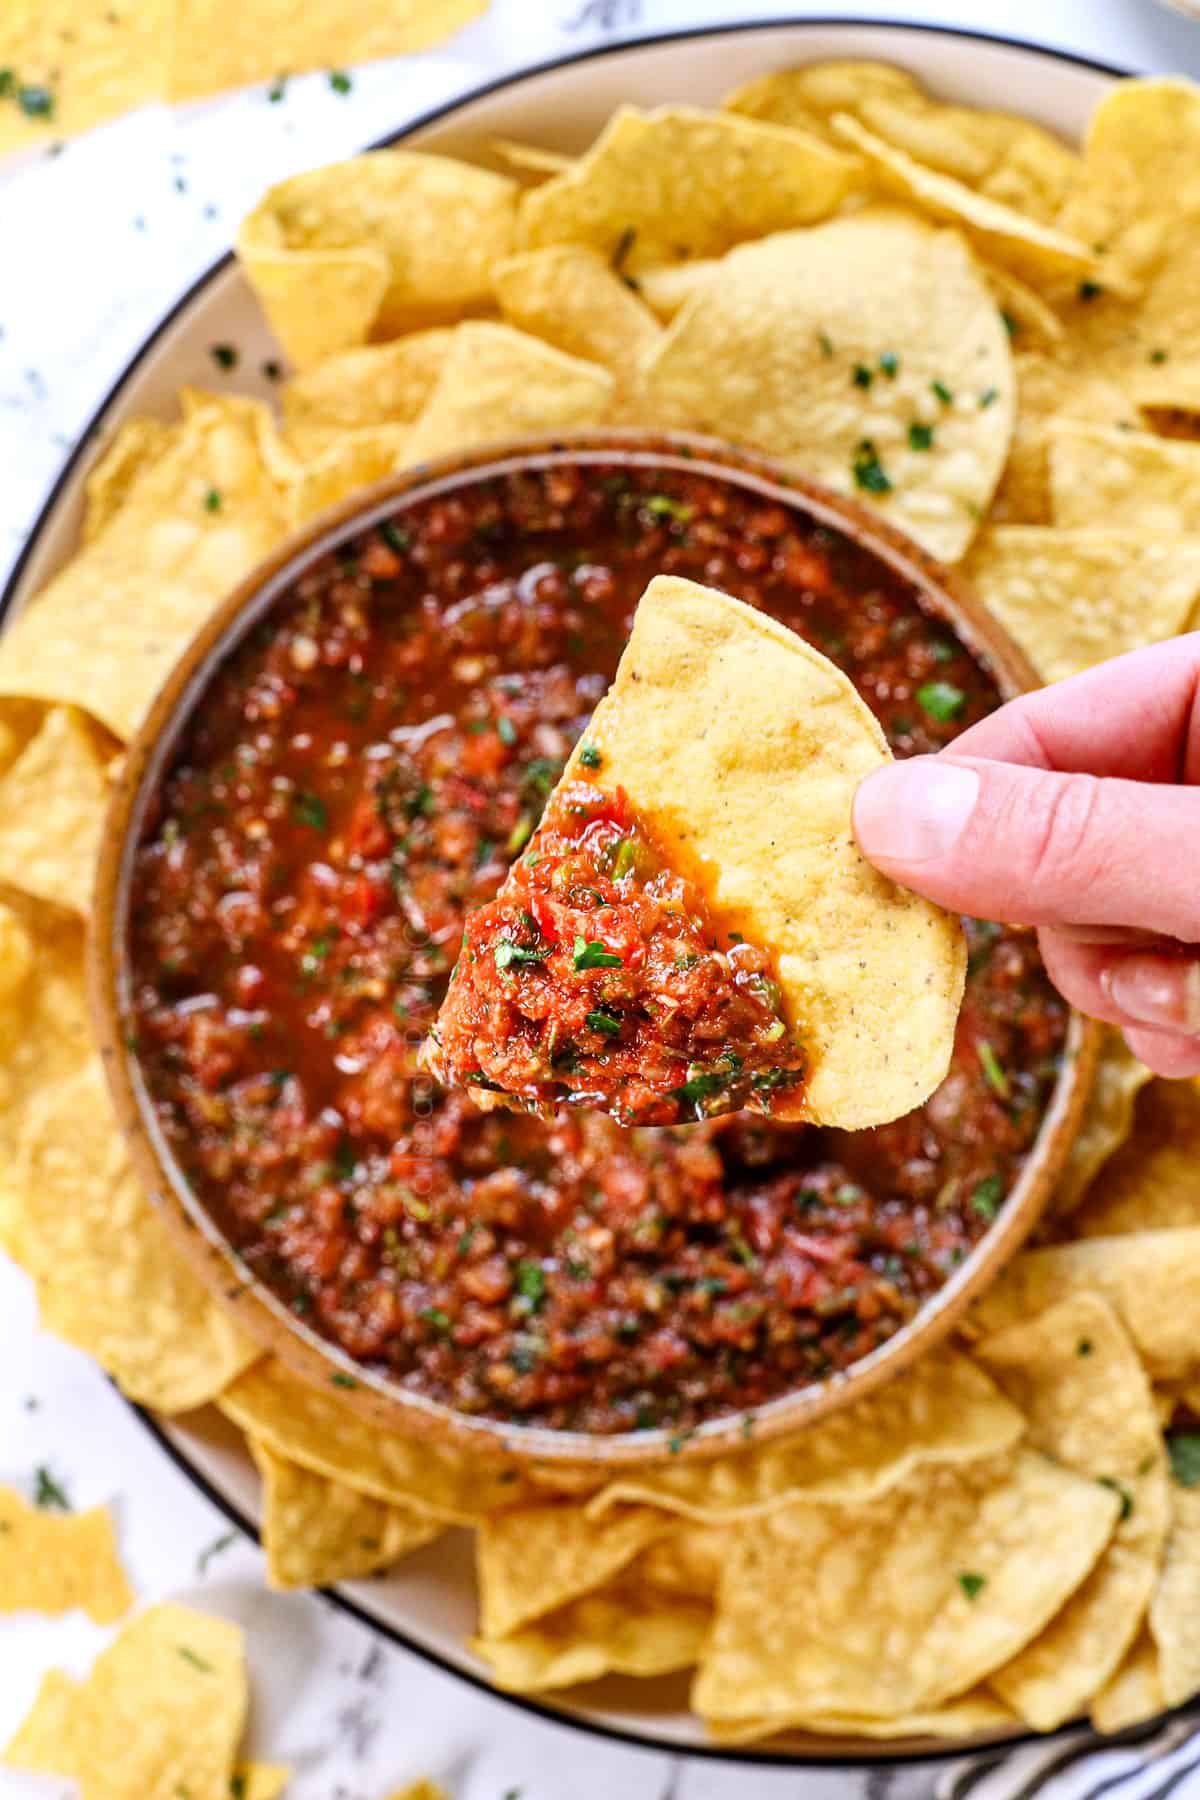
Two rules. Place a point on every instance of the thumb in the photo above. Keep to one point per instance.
(1034, 847)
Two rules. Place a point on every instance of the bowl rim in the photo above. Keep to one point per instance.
(381, 1400)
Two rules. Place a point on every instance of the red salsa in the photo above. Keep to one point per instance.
(353, 785)
(597, 976)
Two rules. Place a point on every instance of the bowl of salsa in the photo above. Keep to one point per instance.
(333, 780)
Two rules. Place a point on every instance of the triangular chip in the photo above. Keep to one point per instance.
(316, 1531)
(572, 298)
(1153, 1181)
(52, 1561)
(572, 1553)
(623, 1630)
(52, 804)
(868, 353)
(705, 933)
(1107, 1119)
(379, 384)
(1126, 480)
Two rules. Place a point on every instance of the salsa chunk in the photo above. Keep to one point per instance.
(598, 977)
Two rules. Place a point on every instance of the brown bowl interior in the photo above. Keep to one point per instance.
(376, 1398)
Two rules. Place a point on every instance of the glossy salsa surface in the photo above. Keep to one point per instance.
(353, 784)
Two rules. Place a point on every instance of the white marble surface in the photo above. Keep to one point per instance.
(97, 243)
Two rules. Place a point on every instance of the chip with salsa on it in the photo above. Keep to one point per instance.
(692, 929)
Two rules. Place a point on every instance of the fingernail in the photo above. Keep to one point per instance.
(914, 811)
(1160, 991)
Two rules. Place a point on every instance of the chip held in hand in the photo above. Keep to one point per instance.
(693, 930)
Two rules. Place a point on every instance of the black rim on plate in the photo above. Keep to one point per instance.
(84, 447)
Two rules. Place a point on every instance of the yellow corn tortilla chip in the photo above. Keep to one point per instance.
(1151, 1279)
(52, 805)
(570, 296)
(944, 1410)
(51, 1562)
(1153, 1182)
(498, 383)
(379, 384)
(108, 1278)
(134, 445)
(968, 1716)
(161, 1712)
(351, 461)
(1140, 185)
(105, 631)
(666, 287)
(1123, 480)
(316, 1531)
(687, 1561)
(1135, 1692)
(721, 725)
(572, 1553)
(999, 154)
(890, 1608)
(685, 182)
(311, 1428)
(214, 48)
(1032, 251)
(74, 63)
(373, 246)
(625, 1631)
(1076, 1376)
(1175, 1604)
(1075, 598)
(1023, 307)
(767, 352)
(1107, 1120)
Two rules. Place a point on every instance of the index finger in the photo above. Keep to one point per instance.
(1137, 716)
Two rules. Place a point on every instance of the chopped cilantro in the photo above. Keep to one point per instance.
(506, 731)
(994, 1074)
(507, 953)
(988, 398)
(216, 1548)
(621, 249)
(197, 1662)
(224, 355)
(1121, 1491)
(1084, 1347)
(589, 954)
(941, 392)
(212, 500)
(941, 700)
(1183, 1447)
(1011, 325)
(889, 364)
(277, 89)
(675, 1444)
(36, 101)
(393, 537)
(1157, 356)
(520, 834)
(869, 473)
(530, 1285)
(342, 1381)
(826, 343)
(339, 81)
(433, 1315)
(1089, 290)
(663, 507)
(604, 1022)
(861, 376)
(987, 1196)
(48, 1493)
(308, 809)
(590, 757)
(702, 1083)
(942, 653)
(971, 1584)
(920, 437)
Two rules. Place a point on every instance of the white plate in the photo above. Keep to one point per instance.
(428, 1604)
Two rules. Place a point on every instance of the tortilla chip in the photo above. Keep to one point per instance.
(1135, 1692)
(380, 384)
(161, 1713)
(667, 287)
(774, 351)
(1175, 1604)
(892, 1607)
(624, 1631)
(74, 63)
(45, 1032)
(685, 183)
(1075, 598)
(1033, 252)
(1140, 186)
(110, 624)
(687, 1561)
(944, 1410)
(1107, 1120)
(1126, 480)
(719, 725)
(108, 1278)
(213, 48)
(1075, 1374)
(999, 154)
(373, 246)
(316, 1531)
(572, 1553)
(351, 462)
(497, 383)
(968, 1716)
(52, 805)
(51, 1562)
(1151, 1279)
(569, 296)
(1023, 307)
(1153, 1181)
(299, 1423)
(135, 444)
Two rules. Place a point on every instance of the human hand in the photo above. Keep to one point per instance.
(1075, 809)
